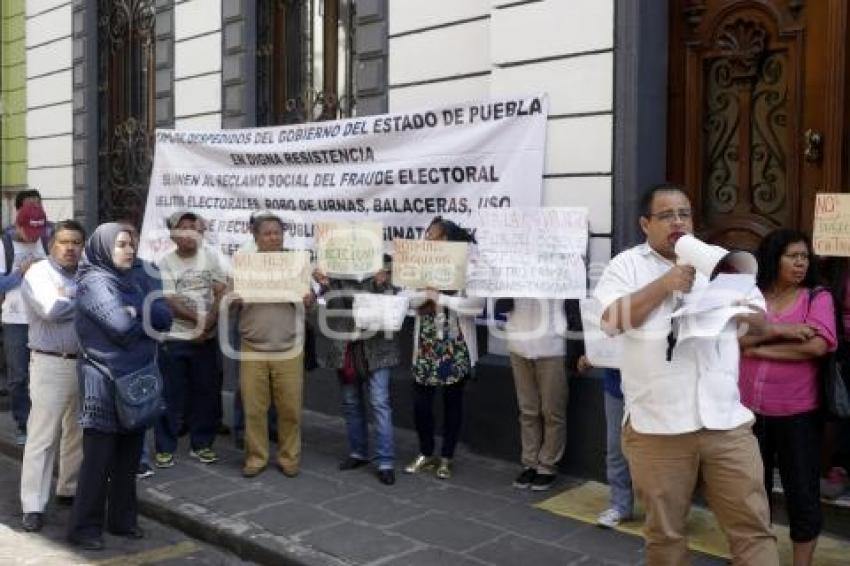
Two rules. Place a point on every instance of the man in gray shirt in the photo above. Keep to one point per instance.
(49, 294)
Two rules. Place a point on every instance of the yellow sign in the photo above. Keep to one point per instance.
(349, 250)
(831, 234)
(272, 276)
(418, 264)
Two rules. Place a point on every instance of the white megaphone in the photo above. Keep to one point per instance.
(711, 260)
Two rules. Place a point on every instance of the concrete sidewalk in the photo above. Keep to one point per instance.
(325, 516)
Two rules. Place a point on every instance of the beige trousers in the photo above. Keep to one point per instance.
(264, 380)
(541, 391)
(665, 470)
(52, 425)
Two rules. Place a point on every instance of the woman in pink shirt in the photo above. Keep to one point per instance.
(779, 379)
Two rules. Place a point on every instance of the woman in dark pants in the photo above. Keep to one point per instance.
(779, 379)
(444, 355)
(110, 327)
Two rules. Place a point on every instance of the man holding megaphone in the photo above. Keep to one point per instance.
(683, 417)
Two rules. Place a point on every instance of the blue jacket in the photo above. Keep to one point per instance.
(111, 336)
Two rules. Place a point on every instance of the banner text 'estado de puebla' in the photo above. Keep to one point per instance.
(397, 169)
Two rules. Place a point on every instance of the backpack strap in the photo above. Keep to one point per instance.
(45, 243)
(9, 251)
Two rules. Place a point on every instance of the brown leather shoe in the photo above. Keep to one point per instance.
(250, 472)
(289, 472)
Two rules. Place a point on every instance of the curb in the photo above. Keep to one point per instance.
(244, 539)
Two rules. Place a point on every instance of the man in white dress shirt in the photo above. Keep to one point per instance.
(684, 422)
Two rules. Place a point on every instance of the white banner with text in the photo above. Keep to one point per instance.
(397, 169)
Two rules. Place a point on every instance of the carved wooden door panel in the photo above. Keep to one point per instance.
(756, 111)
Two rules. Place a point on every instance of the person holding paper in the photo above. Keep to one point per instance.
(445, 351)
(621, 499)
(535, 333)
(779, 379)
(684, 421)
(272, 367)
(360, 362)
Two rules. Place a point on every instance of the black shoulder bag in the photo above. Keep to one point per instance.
(834, 367)
(138, 394)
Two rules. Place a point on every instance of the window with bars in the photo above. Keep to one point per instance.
(304, 60)
(126, 93)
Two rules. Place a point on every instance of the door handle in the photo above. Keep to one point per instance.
(813, 146)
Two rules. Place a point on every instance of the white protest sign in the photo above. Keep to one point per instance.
(349, 250)
(418, 264)
(397, 169)
(530, 253)
(377, 312)
(272, 276)
(602, 351)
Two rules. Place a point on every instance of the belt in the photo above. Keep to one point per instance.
(62, 355)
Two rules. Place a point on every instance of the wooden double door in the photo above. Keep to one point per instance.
(756, 115)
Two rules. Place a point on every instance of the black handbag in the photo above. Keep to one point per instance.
(834, 369)
(138, 394)
(836, 396)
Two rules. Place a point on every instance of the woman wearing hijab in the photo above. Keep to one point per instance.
(112, 335)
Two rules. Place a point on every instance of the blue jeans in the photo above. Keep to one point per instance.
(356, 419)
(230, 369)
(15, 338)
(146, 448)
(189, 374)
(617, 468)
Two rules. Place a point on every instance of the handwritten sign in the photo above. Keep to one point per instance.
(418, 264)
(270, 277)
(602, 351)
(349, 250)
(831, 234)
(530, 253)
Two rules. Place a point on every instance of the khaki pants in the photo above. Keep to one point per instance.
(541, 390)
(665, 470)
(262, 381)
(52, 424)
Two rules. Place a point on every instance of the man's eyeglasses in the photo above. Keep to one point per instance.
(671, 215)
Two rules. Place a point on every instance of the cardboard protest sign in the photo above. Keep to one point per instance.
(272, 276)
(530, 253)
(418, 264)
(831, 234)
(349, 250)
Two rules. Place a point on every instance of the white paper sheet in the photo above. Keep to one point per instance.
(725, 290)
(602, 351)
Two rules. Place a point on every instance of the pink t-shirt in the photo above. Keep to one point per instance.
(781, 388)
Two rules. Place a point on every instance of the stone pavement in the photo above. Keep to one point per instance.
(329, 517)
(162, 545)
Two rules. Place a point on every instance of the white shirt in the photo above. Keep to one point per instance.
(698, 388)
(192, 280)
(13, 308)
(536, 328)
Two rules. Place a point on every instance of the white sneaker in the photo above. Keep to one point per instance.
(610, 518)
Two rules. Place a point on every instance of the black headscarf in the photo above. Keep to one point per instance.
(97, 256)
